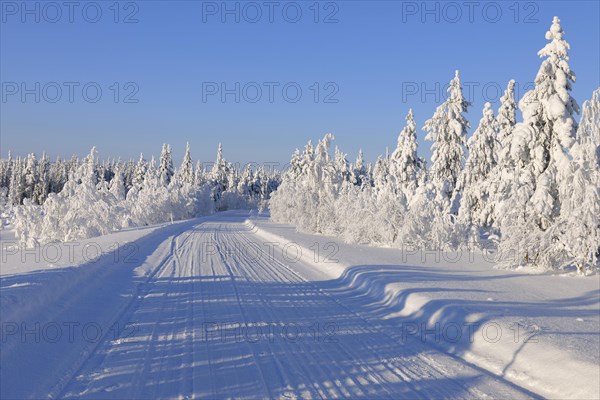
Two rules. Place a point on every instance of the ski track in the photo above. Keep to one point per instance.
(176, 350)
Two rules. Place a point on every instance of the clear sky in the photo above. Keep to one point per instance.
(231, 72)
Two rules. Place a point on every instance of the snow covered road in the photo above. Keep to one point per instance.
(216, 314)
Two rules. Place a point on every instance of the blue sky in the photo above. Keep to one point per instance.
(360, 65)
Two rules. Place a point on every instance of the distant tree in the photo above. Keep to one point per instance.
(16, 191)
(166, 165)
(30, 175)
(139, 174)
(42, 186)
(360, 174)
(186, 172)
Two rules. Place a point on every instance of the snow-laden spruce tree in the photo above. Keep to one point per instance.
(404, 162)
(30, 175)
(151, 205)
(578, 227)
(295, 167)
(429, 222)
(395, 180)
(472, 192)
(128, 170)
(388, 216)
(139, 175)
(5, 170)
(308, 199)
(506, 119)
(356, 211)
(308, 158)
(342, 167)
(588, 134)
(166, 165)
(42, 186)
(219, 175)
(322, 182)
(233, 177)
(199, 176)
(360, 175)
(16, 191)
(186, 172)
(117, 185)
(342, 182)
(448, 130)
(59, 173)
(381, 173)
(289, 200)
(245, 185)
(501, 179)
(540, 151)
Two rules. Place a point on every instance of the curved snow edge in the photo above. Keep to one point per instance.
(539, 367)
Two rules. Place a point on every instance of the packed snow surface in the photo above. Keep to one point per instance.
(233, 306)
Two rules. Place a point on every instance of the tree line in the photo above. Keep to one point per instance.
(528, 189)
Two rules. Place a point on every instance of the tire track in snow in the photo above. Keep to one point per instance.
(183, 293)
(376, 377)
(299, 369)
(327, 362)
(124, 316)
(243, 315)
(425, 363)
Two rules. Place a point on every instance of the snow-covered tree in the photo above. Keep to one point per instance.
(381, 173)
(151, 205)
(506, 119)
(166, 165)
(6, 170)
(539, 149)
(306, 196)
(199, 178)
(472, 191)
(404, 162)
(186, 172)
(360, 174)
(322, 181)
(448, 129)
(295, 167)
(548, 112)
(16, 191)
(59, 173)
(501, 180)
(219, 175)
(128, 173)
(588, 134)
(117, 185)
(42, 186)
(342, 168)
(30, 175)
(577, 231)
(140, 174)
(578, 227)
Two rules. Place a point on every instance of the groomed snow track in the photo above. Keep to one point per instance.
(217, 315)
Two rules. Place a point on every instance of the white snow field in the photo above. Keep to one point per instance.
(231, 307)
